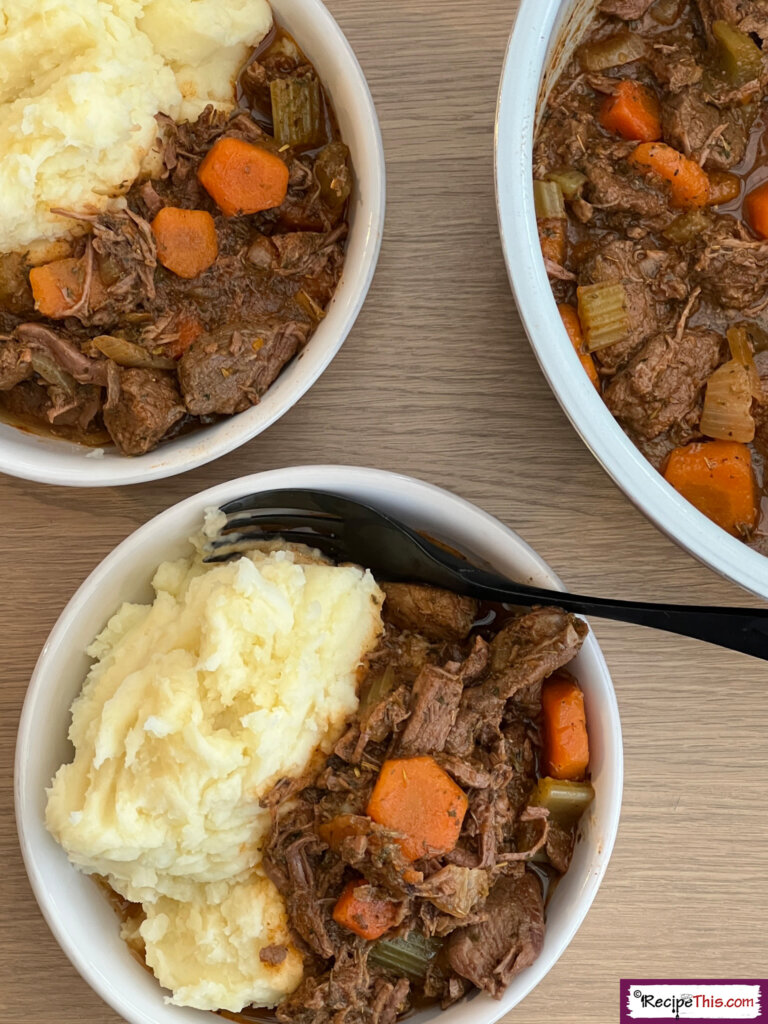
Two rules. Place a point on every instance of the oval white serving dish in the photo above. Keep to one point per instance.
(540, 46)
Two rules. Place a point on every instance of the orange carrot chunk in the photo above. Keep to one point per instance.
(688, 183)
(570, 317)
(186, 240)
(756, 210)
(717, 477)
(553, 238)
(415, 797)
(189, 328)
(243, 178)
(633, 112)
(564, 728)
(58, 286)
(367, 918)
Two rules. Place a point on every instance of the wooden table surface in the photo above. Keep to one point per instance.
(437, 380)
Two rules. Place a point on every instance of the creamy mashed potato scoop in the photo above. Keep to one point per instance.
(234, 677)
(81, 83)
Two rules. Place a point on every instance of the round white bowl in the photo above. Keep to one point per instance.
(77, 912)
(540, 46)
(53, 461)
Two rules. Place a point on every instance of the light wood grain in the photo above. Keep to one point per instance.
(437, 380)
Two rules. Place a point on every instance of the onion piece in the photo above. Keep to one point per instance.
(727, 403)
(741, 350)
(622, 48)
(126, 353)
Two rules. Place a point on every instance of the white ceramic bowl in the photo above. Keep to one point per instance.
(540, 46)
(77, 911)
(53, 461)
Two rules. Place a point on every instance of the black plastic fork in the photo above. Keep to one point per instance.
(346, 530)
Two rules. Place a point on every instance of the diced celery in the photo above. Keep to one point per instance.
(296, 111)
(612, 52)
(739, 56)
(603, 314)
(570, 180)
(688, 227)
(565, 801)
(409, 957)
(126, 353)
(333, 174)
(381, 686)
(548, 200)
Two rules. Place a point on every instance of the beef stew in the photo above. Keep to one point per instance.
(650, 181)
(184, 305)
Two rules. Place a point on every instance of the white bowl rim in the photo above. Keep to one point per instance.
(348, 480)
(60, 463)
(644, 486)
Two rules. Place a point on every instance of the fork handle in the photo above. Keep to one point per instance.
(739, 629)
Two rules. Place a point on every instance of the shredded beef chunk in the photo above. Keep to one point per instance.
(435, 704)
(662, 386)
(436, 614)
(491, 953)
(142, 407)
(627, 9)
(733, 271)
(699, 129)
(650, 277)
(15, 363)
(229, 370)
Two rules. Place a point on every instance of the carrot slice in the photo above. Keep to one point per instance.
(415, 797)
(717, 477)
(688, 183)
(633, 112)
(186, 240)
(243, 178)
(564, 728)
(553, 238)
(367, 918)
(189, 329)
(570, 317)
(756, 210)
(58, 286)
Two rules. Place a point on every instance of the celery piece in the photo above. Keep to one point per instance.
(409, 957)
(381, 686)
(571, 181)
(739, 56)
(296, 111)
(334, 174)
(603, 314)
(565, 801)
(126, 353)
(45, 366)
(688, 227)
(612, 52)
(548, 200)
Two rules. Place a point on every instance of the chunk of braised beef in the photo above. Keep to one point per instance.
(732, 270)
(15, 363)
(491, 953)
(434, 706)
(652, 278)
(629, 10)
(663, 384)
(141, 407)
(436, 614)
(699, 129)
(227, 371)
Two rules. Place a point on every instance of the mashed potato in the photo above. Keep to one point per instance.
(234, 677)
(81, 83)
